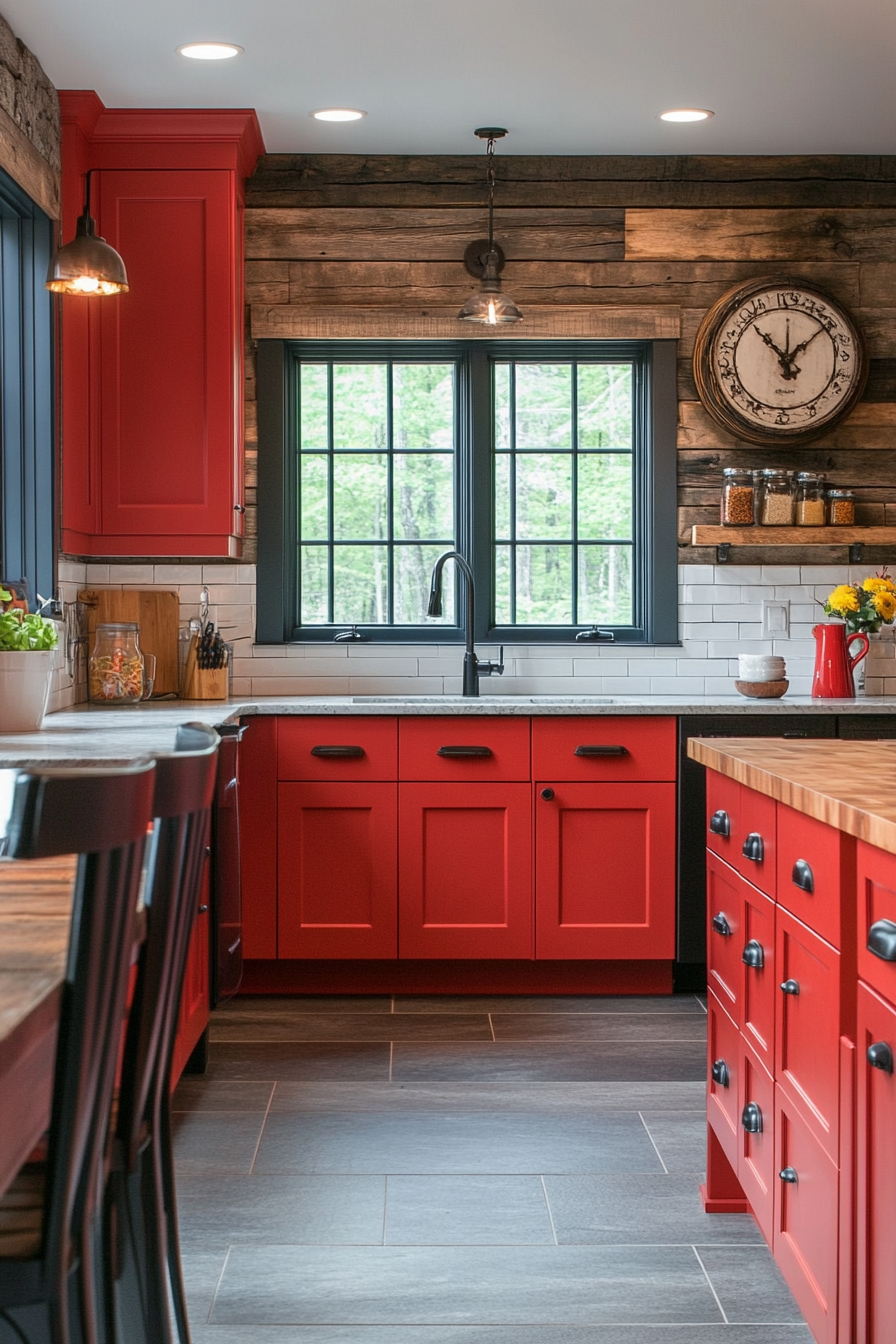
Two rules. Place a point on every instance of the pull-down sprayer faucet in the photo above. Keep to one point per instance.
(473, 668)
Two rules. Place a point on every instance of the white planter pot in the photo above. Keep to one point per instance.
(880, 665)
(24, 688)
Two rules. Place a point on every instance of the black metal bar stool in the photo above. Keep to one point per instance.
(141, 1215)
(49, 1215)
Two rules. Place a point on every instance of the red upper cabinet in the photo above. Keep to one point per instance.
(152, 411)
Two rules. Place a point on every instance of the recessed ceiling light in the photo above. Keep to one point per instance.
(338, 114)
(686, 114)
(210, 51)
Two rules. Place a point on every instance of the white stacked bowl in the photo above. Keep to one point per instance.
(760, 667)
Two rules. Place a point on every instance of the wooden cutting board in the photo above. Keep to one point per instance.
(156, 612)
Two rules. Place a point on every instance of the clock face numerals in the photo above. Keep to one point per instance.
(779, 361)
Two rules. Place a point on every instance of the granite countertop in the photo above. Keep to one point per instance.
(88, 736)
(849, 785)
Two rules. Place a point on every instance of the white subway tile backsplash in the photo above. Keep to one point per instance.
(780, 574)
(826, 574)
(131, 574)
(744, 611)
(676, 685)
(167, 576)
(739, 575)
(702, 630)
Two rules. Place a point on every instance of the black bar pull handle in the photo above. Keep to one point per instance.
(338, 753)
(753, 955)
(600, 751)
(882, 939)
(720, 1073)
(802, 876)
(720, 823)
(788, 1175)
(464, 751)
(753, 847)
(721, 925)
(752, 1118)
(880, 1056)
(790, 987)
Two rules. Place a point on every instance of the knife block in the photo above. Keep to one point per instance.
(203, 683)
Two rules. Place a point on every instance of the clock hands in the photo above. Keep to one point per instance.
(786, 357)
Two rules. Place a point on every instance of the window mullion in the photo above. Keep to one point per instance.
(574, 487)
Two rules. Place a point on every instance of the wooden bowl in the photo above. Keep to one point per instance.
(762, 690)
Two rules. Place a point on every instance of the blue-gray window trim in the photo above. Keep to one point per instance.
(27, 451)
(277, 598)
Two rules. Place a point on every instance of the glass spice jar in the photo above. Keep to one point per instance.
(776, 501)
(115, 668)
(841, 508)
(737, 498)
(809, 499)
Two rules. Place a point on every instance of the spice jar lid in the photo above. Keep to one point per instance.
(737, 471)
(776, 473)
(841, 494)
(811, 476)
(119, 627)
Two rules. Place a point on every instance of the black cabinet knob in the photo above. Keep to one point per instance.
(547, 794)
(753, 847)
(752, 1118)
(788, 1175)
(882, 939)
(721, 925)
(790, 986)
(753, 955)
(802, 876)
(720, 1073)
(720, 823)
(880, 1056)
(203, 909)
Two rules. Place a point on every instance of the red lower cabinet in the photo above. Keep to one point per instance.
(194, 1000)
(465, 887)
(605, 870)
(337, 865)
(724, 934)
(760, 985)
(876, 1169)
(723, 1089)
(756, 1140)
(807, 1055)
(805, 1241)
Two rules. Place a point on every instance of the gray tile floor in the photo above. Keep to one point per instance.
(462, 1171)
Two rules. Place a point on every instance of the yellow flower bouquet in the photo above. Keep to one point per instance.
(866, 606)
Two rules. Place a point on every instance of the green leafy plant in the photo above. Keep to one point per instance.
(23, 632)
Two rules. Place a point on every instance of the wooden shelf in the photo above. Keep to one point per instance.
(705, 535)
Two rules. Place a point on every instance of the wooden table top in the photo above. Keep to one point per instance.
(35, 912)
(848, 785)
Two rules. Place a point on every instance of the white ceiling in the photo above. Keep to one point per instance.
(565, 76)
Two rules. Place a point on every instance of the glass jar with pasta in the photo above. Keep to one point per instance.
(115, 670)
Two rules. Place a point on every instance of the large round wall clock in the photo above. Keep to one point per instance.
(778, 361)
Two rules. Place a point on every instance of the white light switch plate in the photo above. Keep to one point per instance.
(776, 620)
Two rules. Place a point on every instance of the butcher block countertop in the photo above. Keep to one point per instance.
(848, 785)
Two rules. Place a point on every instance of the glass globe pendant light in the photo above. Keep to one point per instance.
(87, 265)
(485, 259)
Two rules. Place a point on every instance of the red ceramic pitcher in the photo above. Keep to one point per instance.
(833, 662)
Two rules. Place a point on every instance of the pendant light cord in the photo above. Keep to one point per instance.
(490, 179)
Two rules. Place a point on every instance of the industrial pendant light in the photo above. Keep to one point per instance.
(485, 258)
(87, 265)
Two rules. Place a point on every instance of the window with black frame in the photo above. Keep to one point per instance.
(550, 468)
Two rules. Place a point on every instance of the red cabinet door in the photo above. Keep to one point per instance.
(725, 937)
(465, 886)
(756, 1139)
(758, 965)
(337, 860)
(722, 815)
(876, 1170)
(605, 871)
(807, 1053)
(805, 1242)
(815, 871)
(258, 836)
(195, 999)
(167, 474)
(723, 1089)
(876, 874)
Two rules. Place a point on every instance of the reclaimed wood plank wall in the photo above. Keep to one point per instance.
(342, 245)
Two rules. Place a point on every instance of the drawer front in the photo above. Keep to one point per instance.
(722, 815)
(756, 1151)
(723, 1079)
(806, 1214)
(724, 936)
(807, 1038)
(329, 747)
(876, 1170)
(603, 749)
(876, 880)
(740, 828)
(464, 749)
(760, 983)
(811, 872)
